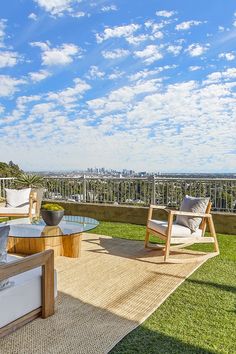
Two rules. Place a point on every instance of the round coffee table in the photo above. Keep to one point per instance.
(28, 237)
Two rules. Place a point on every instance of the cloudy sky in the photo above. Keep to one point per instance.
(138, 84)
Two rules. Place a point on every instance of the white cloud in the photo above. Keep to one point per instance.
(117, 32)
(234, 23)
(221, 28)
(137, 39)
(228, 56)
(33, 16)
(115, 54)
(61, 55)
(55, 7)
(39, 76)
(2, 109)
(218, 76)
(143, 74)
(196, 49)
(70, 95)
(150, 54)
(156, 26)
(2, 31)
(9, 85)
(95, 73)
(165, 13)
(109, 8)
(174, 115)
(78, 14)
(194, 68)
(116, 74)
(8, 59)
(174, 49)
(186, 25)
(119, 100)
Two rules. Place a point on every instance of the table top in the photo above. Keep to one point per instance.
(69, 225)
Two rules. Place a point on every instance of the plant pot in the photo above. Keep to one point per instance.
(52, 217)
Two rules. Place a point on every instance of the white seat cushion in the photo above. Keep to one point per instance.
(177, 230)
(23, 297)
(19, 210)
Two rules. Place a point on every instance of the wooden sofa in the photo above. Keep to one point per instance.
(32, 293)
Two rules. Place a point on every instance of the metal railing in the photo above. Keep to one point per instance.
(137, 191)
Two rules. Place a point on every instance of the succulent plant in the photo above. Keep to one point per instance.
(52, 207)
(29, 181)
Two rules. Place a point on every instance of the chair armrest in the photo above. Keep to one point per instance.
(188, 213)
(46, 261)
(160, 207)
(24, 264)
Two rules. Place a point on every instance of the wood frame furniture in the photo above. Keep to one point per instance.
(67, 246)
(29, 237)
(181, 242)
(32, 204)
(44, 260)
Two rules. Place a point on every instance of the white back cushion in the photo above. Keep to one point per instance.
(17, 197)
(194, 205)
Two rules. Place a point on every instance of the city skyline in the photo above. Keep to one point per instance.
(140, 86)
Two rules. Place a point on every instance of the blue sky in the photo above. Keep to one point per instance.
(145, 85)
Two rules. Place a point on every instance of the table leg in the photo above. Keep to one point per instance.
(71, 245)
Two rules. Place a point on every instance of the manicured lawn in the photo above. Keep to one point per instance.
(199, 317)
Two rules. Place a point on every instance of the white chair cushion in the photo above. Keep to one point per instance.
(177, 230)
(194, 205)
(20, 210)
(17, 197)
(23, 297)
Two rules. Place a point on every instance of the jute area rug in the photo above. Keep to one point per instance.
(108, 292)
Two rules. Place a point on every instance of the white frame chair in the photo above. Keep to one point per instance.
(181, 242)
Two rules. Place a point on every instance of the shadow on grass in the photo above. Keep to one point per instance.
(146, 341)
(223, 287)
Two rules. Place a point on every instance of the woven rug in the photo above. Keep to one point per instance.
(108, 292)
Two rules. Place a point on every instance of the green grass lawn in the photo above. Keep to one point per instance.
(199, 317)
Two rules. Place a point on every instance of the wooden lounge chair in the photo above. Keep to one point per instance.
(26, 208)
(178, 235)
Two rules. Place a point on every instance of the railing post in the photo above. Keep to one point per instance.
(84, 189)
(153, 197)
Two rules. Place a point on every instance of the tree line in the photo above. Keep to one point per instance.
(9, 169)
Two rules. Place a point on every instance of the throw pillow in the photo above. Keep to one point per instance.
(4, 231)
(17, 197)
(194, 205)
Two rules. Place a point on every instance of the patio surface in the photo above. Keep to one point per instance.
(104, 295)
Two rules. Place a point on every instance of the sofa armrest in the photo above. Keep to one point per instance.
(46, 261)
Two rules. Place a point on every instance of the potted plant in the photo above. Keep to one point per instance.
(36, 184)
(29, 181)
(52, 213)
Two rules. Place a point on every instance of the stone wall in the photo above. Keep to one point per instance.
(225, 223)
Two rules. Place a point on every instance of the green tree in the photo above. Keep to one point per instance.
(9, 170)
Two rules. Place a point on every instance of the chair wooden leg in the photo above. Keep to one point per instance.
(167, 248)
(146, 238)
(213, 234)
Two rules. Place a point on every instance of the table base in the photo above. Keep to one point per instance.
(68, 246)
